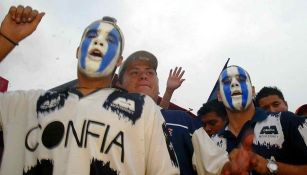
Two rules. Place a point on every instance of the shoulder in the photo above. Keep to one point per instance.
(131, 105)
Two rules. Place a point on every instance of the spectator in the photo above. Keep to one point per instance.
(213, 116)
(279, 138)
(271, 99)
(138, 75)
(87, 129)
(302, 110)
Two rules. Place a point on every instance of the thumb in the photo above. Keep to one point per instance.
(248, 141)
(38, 18)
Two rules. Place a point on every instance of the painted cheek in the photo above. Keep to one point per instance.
(85, 45)
(227, 91)
(112, 51)
(84, 51)
(244, 88)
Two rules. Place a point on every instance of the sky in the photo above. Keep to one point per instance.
(267, 38)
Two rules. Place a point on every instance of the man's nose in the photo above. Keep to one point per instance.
(143, 75)
(234, 82)
(98, 42)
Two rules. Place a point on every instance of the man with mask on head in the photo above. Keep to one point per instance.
(280, 139)
(88, 129)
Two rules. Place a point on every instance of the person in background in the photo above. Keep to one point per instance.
(279, 139)
(138, 75)
(271, 99)
(213, 116)
(87, 129)
(302, 110)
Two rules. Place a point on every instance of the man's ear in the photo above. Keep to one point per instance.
(286, 103)
(77, 52)
(253, 91)
(219, 97)
(119, 61)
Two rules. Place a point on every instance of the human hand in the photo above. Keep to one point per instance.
(20, 22)
(175, 78)
(241, 159)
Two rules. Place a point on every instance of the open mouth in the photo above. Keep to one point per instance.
(236, 93)
(96, 53)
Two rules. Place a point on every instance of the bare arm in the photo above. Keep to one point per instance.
(174, 81)
(19, 23)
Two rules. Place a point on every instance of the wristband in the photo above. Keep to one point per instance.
(7, 38)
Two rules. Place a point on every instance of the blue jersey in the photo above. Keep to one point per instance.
(282, 135)
(181, 126)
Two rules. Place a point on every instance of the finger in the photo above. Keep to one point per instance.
(248, 141)
(178, 72)
(12, 12)
(32, 15)
(181, 75)
(38, 18)
(26, 13)
(182, 80)
(175, 71)
(170, 73)
(19, 12)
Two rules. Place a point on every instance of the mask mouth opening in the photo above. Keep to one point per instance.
(96, 53)
(236, 93)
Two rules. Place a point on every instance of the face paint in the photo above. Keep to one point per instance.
(99, 49)
(235, 88)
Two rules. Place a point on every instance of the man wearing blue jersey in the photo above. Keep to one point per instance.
(280, 139)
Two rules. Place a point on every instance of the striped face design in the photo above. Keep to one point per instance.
(235, 88)
(99, 49)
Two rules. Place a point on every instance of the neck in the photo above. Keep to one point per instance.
(238, 118)
(87, 85)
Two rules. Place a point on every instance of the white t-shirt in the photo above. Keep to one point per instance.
(208, 158)
(106, 132)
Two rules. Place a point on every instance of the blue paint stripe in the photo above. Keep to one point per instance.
(226, 89)
(112, 48)
(244, 88)
(86, 43)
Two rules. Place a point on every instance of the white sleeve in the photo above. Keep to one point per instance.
(14, 105)
(160, 155)
(208, 158)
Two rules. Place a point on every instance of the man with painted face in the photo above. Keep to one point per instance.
(280, 140)
(88, 129)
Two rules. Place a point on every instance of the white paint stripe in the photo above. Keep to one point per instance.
(172, 124)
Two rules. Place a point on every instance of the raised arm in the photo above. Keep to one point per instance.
(174, 81)
(19, 23)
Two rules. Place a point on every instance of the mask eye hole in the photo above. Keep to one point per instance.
(226, 80)
(91, 34)
(241, 78)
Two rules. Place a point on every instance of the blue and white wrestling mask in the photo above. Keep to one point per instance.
(100, 48)
(235, 88)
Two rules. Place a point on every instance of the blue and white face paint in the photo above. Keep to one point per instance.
(99, 49)
(235, 88)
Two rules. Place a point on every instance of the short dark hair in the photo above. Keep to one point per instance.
(267, 91)
(213, 106)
